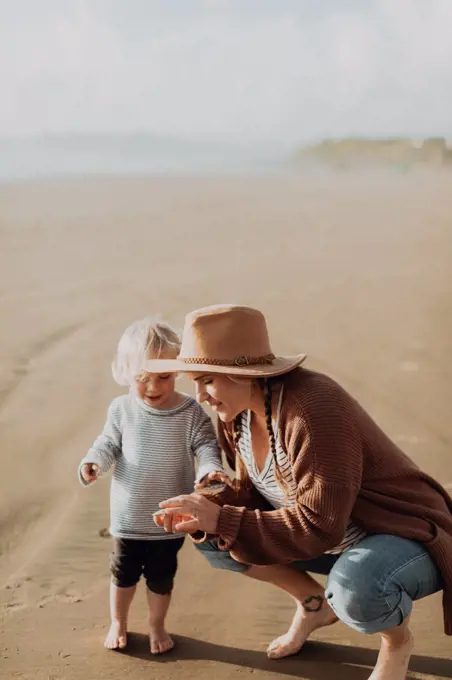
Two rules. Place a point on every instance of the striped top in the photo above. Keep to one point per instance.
(266, 483)
(152, 453)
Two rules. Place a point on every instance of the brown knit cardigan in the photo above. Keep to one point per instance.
(344, 467)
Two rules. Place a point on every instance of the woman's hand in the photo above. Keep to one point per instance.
(188, 514)
(168, 521)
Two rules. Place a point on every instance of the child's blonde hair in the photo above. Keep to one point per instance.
(148, 338)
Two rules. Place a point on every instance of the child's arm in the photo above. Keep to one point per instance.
(105, 450)
(205, 446)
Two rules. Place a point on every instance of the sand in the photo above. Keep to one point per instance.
(353, 269)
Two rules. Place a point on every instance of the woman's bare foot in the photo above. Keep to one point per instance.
(117, 636)
(394, 656)
(160, 641)
(304, 623)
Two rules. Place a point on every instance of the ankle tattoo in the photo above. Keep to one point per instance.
(313, 603)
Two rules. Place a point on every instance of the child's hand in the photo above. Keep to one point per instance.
(89, 472)
(213, 477)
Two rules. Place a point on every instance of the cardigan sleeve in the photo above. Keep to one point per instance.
(246, 495)
(323, 441)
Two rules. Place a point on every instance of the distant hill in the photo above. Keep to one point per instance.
(434, 151)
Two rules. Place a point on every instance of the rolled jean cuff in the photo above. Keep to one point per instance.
(201, 537)
(395, 617)
(372, 585)
(220, 559)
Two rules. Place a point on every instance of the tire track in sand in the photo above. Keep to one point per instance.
(37, 352)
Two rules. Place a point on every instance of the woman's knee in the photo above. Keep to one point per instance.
(363, 605)
(372, 586)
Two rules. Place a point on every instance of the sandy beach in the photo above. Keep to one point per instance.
(352, 268)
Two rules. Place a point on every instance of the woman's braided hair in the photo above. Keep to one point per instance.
(266, 385)
(241, 474)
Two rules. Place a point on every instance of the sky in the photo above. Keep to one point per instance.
(229, 70)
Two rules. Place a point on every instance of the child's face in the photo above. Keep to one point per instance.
(157, 389)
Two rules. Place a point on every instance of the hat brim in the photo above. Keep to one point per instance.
(279, 366)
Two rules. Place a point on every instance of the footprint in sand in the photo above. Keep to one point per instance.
(65, 598)
(14, 603)
(73, 599)
(17, 583)
(11, 607)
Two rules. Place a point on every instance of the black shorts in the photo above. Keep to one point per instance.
(155, 560)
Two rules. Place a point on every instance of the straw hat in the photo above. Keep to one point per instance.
(227, 339)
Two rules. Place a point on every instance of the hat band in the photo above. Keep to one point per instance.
(237, 361)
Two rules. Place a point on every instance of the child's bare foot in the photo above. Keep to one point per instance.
(117, 636)
(303, 624)
(393, 659)
(160, 641)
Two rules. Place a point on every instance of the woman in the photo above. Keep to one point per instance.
(320, 488)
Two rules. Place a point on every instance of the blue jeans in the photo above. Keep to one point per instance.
(371, 587)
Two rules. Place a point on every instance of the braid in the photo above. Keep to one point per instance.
(237, 430)
(240, 469)
(242, 478)
(267, 386)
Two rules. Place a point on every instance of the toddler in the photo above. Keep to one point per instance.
(151, 439)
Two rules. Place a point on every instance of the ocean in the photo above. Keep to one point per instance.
(138, 154)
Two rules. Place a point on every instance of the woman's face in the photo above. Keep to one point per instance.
(227, 397)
